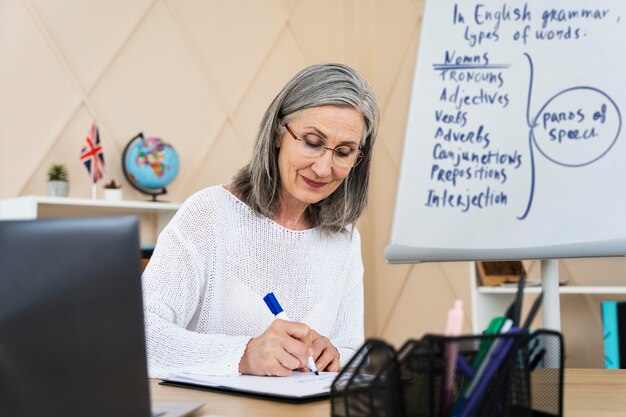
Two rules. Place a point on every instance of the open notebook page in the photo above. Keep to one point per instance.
(298, 385)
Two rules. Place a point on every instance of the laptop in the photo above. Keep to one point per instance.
(72, 340)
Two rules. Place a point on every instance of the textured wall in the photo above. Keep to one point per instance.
(199, 74)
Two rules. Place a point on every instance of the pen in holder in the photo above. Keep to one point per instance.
(520, 375)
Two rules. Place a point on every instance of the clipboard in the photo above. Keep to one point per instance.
(300, 387)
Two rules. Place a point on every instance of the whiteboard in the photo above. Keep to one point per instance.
(514, 145)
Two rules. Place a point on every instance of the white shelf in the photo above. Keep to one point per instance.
(11, 208)
(34, 207)
(488, 302)
(565, 289)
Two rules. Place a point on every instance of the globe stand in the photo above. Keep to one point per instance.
(154, 196)
(151, 193)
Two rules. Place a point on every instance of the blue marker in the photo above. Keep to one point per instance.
(279, 313)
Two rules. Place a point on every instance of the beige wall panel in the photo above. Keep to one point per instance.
(457, 275)
(417, 311)
(533, 269)
(66, 150)
(233, 39)
(388, 278)
(581, 316)
(389, 283)
(289, 5)
(582, 330)
(599, 271)
(359, 33)
(316, 23)
(395, 27)
(365, 226)
(392, 71)
(395, 112)
(154, 86)
(89, 33)
(384, 281)
(221, 163)
(283, 61)
(36, 97)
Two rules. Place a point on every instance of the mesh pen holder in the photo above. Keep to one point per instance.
(440, 376)
(369, 385)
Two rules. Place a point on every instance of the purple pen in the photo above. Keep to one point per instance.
(495, 361)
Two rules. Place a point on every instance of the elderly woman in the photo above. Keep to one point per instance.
(284, 225)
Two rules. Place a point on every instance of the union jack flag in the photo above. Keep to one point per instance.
(92, 155)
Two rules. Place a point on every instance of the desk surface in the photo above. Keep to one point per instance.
(588, 392)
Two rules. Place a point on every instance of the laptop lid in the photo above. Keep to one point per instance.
(71, 319)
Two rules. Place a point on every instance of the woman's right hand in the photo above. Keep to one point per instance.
(283, 347)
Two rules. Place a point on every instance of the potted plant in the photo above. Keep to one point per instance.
(112, 191)
(58, 185)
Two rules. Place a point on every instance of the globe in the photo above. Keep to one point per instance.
(150, 165)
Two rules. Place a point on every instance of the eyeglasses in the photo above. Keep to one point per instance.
(312, 146)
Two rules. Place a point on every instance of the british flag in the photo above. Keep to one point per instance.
(92, 155)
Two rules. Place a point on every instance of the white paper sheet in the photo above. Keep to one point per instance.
(297, 386)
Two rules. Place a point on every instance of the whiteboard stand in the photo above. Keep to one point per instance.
(551, 300)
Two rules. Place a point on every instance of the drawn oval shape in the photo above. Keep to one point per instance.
(577, 126)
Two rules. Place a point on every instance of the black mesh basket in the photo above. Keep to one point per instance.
(489, 375)
(369, 385)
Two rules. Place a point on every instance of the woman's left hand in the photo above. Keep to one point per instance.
(325, 354)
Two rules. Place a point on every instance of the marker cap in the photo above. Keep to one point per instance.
(272, 303)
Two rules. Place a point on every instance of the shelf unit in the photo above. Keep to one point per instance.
(488, 302)
(573, 289)
(153, 215)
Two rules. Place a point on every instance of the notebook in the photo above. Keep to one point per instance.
(298, 387)
(72, 338)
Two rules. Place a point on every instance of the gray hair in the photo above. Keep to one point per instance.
(258, 183)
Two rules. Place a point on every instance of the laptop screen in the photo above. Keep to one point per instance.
(71, 319)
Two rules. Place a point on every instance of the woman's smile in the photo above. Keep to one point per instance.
(311, 183)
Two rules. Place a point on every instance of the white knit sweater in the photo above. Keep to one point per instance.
(212, 265)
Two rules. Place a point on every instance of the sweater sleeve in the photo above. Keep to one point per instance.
(172, 288)
(348, 334)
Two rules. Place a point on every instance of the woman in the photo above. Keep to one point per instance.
(284, 225)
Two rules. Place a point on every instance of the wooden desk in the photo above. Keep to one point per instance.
(587, 392)
(595, 392)
(226, 405)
